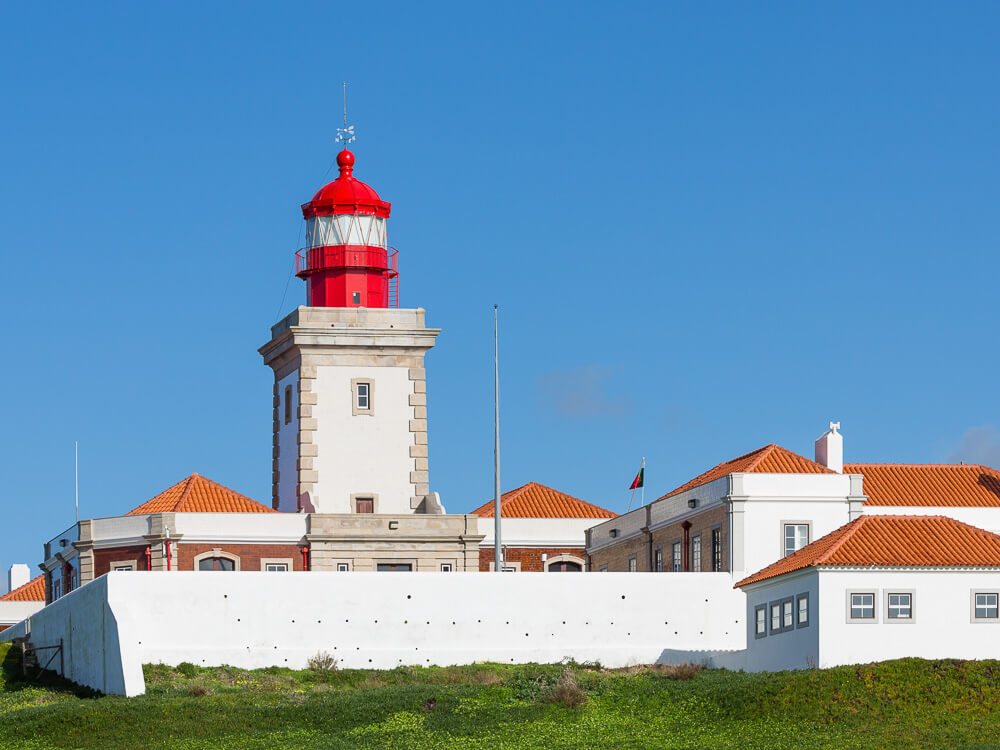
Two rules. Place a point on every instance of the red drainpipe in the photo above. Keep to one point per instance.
(686, 564)
(305, 558)
(149, 558)
(166, 544)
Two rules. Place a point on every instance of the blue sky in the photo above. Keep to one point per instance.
(709, 227)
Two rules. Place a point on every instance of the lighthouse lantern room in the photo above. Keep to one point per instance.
(347, 261)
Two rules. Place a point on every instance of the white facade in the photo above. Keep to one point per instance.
(117, 623)
(983, 518)
(350, 411)
(13, 612)
(536, 532)
(943, 623)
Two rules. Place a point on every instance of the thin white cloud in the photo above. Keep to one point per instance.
(584, 393)
(979, 445)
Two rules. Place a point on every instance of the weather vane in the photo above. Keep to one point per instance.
(345, 134)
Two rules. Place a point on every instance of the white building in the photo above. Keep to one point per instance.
(880, 587)
(24, 598)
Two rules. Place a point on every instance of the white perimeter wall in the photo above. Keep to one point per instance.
(363, 454)
(382, 620)
(288, 446)
(92, 625)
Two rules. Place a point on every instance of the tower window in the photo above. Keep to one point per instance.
(364, 505)
(288, 404)
(363, 395)
(356, 298)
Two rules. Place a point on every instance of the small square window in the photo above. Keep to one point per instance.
(987, 605)
(276, 567)
(863, 606)
(124, 568)
(445, 567)
(900, 606)
(603, 568)
(343, 567)
(364, 505)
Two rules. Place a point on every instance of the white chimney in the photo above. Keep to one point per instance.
(830, 449)
(18, 575)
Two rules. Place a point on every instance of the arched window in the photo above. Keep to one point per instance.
(216, 559)
(216, 563)
(566, 566)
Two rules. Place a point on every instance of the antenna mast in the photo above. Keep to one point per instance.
(345, 134)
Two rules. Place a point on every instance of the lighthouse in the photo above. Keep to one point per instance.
(349, 401)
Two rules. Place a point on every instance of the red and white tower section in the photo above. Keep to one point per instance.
(350, 397)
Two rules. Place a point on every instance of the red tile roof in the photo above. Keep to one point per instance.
(535, 500)
(894, 541)
(771, 459)
(32, 591)
(196, 494)
(942, 485)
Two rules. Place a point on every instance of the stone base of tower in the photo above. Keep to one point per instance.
(350, 411)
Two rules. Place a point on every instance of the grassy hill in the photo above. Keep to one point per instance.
(906, 703)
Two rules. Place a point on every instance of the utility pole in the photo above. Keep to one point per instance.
(497, 546)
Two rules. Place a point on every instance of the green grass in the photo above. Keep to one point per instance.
(906, 703)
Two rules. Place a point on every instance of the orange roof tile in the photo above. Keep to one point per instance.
(32, 591)
(771, 459)
(196, 494)
(943, 485)
(894, 541)
(535, 500)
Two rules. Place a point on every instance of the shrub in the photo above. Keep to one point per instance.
(198, 690)
(187, 669)
(323, 661)
(680, 671)
(567, 692)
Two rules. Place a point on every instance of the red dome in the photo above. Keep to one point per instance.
(346, 195)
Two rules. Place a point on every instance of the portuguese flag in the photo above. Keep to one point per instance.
(637, 482)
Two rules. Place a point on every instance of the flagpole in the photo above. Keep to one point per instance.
(642, 495)
(76, 476)
(497, 546)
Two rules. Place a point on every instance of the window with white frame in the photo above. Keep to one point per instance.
(899, 605)
(445, 567)
(716, 550)
(862, 605)
(343, 567)
(776, 617)
(760, 621)
(696, 553)
(986, 606)
(796, 536)
(603, 568)
(633, 564)
(787, 615)
(658, 559)
(276, 567)
(123, 568)
(363, 397)
(678, 557)
(802, 610)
